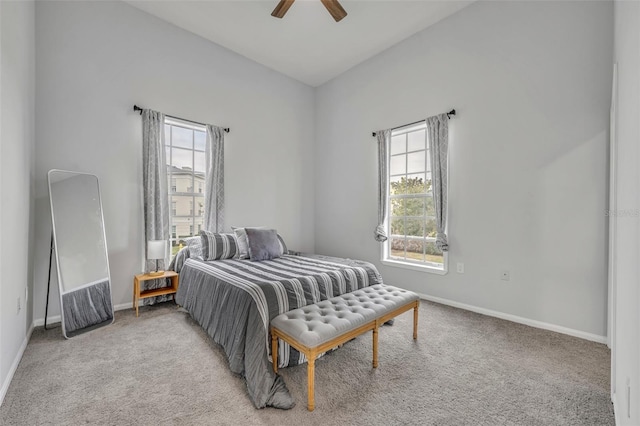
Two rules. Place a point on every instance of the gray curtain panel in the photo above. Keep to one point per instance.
(156, 197)
(438, 134)
(214, 180)
(384, 139)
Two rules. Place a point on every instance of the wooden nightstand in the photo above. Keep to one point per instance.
(137, 294)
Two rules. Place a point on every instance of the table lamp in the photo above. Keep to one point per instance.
(156, 249)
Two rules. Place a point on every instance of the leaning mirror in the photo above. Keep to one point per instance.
(81, 251)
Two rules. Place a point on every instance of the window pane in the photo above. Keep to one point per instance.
(199, 184)
(396, 246)
(431, 210)
(167, 153)
(182, 158)
(182, 137)
(414, 227)
(398, 144)
(397, 206)
(182, 204)
(413, 184)
(414, 249)
(199, 140)
(415, 162)
(414, 206)
(167, 134)
(416, 184)
(182, 182)
(432, 253)
(199, 162)
(431, 229)
(393, 184)
(199, 208)
(398, 164)
(183, 226)
(417, 140)
(397, 226)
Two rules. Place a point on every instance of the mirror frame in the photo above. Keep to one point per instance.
(55, 248)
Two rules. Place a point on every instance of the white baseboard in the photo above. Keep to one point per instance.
(519, 320)
(56, 318)
(14, 366)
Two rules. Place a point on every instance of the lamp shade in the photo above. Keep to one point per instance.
(156, 249)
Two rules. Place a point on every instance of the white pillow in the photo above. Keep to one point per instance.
(243, 242)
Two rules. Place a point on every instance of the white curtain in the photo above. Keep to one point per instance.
(214, 180)
(384, 138)
(438, 134)
(156, 197)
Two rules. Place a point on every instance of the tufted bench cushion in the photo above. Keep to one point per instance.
(316, 328)
(316, 324)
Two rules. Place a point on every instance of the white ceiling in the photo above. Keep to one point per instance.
(307, 44)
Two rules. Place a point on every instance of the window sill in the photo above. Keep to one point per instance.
(415, 267)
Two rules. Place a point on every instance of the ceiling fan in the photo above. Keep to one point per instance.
(334, 8)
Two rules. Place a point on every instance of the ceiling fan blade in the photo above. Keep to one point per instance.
(335, 9)
(282, 8)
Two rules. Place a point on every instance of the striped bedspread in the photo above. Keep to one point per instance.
(234, 301)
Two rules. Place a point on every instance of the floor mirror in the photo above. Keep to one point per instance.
(80, 246)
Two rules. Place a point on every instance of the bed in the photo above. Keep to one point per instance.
(234, 301)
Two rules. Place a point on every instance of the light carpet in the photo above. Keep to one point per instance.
(464, 369)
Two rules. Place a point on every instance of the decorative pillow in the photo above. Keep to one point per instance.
(243, 244)
(195, 247)
(263, 244)
(218, 246)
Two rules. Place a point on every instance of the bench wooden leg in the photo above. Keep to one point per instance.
(375, 347)
(311, 365)
(274, 351)
(415, 321)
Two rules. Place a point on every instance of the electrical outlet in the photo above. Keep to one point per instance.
(460, 268)
(505, 275)
(19, 307)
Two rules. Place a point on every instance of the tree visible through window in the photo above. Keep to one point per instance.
(411, 217)
(185, 151)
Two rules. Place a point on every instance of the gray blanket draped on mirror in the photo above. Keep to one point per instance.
(156, 198)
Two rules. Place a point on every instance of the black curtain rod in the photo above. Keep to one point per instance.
(449, 114)
(137, 108)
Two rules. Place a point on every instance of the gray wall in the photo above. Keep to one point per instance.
(96, 59)
(626, 299)
(17, 56)
(531, 82)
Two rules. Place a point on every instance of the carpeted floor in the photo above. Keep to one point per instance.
(465, 369)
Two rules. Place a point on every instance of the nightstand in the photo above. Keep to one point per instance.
(137, 294)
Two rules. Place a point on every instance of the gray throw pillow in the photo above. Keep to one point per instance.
(263, 244)
(218, 246)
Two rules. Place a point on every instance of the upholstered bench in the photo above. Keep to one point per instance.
(314, 329)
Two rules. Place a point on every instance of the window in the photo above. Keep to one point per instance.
(411, 223)
(185, 152)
